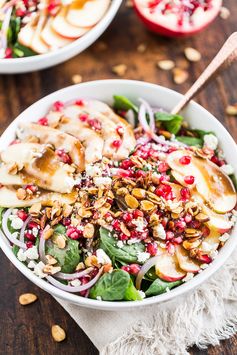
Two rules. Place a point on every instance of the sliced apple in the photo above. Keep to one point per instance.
(52, 38)
(217, 221)
(167, 268)
(37, 43)
(65, 29)
(212, 240)
(213, 185)
(8, 198)
(26, 34)
(9, 179)
(86, 13)
(185, 262)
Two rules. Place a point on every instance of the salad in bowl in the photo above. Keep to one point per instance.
(118, 202)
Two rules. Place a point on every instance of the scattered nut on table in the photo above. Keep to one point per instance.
(192, 54)
(119, 69)
(27, 298)
(141, 48)
(224, 13)
(231, 110)
(179, 75)
(76, 79)
(166, 64)
(58, 333)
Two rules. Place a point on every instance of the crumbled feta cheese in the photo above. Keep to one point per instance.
(213, 254)
(227, 169)
(188, 277)
(75, 282)
(224, 237)
(162, 156)
(142, 294)
(93, 170)
(99, 298)
(31, 264)
(162, 245)
(203, 266)
(35, 231)
(102, 257)
(133, 241)
(77, 181)
(16, 222)
(140, 223)
(102, 181)
(142, 256)
(159, 232)
(210, 141)
(38, 270)
(120, 244)
(206, 247)
(21, 255)
(32, 253)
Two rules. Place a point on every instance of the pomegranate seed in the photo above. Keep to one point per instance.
(32, 225)
(217, 161)
(116, 225)
(164, 191)
(178, 240)
(20, 12)
(43, 121)
(185, 194)
(123, 236)
(64, 157)
(151, 248)
(185, 160)
(95, 124)
(32, 188)
(29, 244)
(126, 268)
(66, 221)
(120, 130)
(126, 164)
(195, 224)
(137, 213)
(74, 233)
(84, 280)
(170, 248)
(205, 231)
(58, 106)
(204, 258)
(30, 236)
(124, 173)
(169, 235)
(116, 143)
(163, 167)
(180, 225)
(22, 215)
(79, 102)
(143, 235)
(8, 53)
(83, 117)
(164, 178)
(140, 174)
(127, 217)
(189, 179)
(188, 218)
(134, 269)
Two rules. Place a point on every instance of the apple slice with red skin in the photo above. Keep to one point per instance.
(65, 29)
(173, 22)
(52, 38)
(217, 221)
(213, 185)
(86, 13)
(185, 262)
(167, 268)
(37, 43)
(212, 240)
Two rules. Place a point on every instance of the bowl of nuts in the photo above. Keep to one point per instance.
(109, 201)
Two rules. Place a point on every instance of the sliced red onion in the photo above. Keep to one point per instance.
(7, 233)
(4, 29)
(142, 119)
(159, 140)
(144, 269)
(150, 114)
(74, 289)
(22, 232)
(42, 249)
(130, 117)
(75, 275)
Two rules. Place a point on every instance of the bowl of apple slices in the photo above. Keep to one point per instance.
(36, 34)
(109, 201)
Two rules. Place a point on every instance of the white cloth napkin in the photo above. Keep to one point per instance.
(203, 317)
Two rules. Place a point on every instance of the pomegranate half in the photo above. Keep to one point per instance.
(177, 18)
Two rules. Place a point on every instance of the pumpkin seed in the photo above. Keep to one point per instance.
(131, 201)
(138, 193)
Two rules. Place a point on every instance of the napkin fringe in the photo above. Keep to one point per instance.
(202, 317)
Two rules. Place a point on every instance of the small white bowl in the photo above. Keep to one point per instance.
(42, 61)
(157, 96)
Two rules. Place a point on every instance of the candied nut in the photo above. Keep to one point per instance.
(124, 229)
(202, 217)
(100, 202)
(139, 193)
(119, 69)
(27, 298)
(166, 134)
(188, 245)
(51, 260)
(122, 191)
(43, 221)
(147, 205)
(154, 220)
(47, 232)
(67, 210)
(59, 240)
(224, 13)
(231, 110)
(179, 75)
(56, 220)
(12, 168)
(32, 139)
(141, 48)
(35, 209)
(91, 261)
(80, 266)
(84, 213)
(192, 54)
(107, 268)
(190, 231)
(153, 197)
(89, 230)
(21, 194)
(166, 64)
(76, 79)
(131, 201)
(58, 333)
(52, 270)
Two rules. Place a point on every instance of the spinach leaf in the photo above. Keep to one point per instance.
(111, 286)
(128, 253)
(191, 141)
(1, 215)
(151, 275)
(21, 51)
(15, 249)
(124, 104)
(159, 286)
(68, 258)
(131, 293)
(171, 122)
(202, 133)
(60, 229)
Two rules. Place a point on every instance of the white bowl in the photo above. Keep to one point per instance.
(156, 95)
(42, 61)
